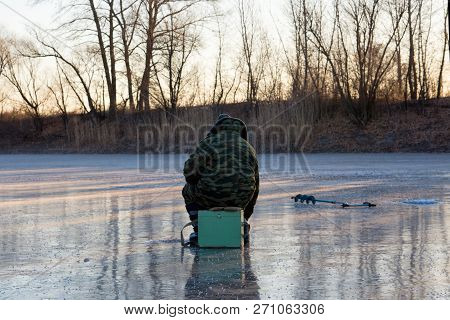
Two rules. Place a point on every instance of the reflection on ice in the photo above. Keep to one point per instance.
(221, 274)
(96, 227)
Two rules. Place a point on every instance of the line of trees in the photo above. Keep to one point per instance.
(110, 56)
(362, 51)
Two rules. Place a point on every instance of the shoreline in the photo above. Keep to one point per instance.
(418, 129)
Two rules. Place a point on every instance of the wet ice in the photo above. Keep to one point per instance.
(107, 227)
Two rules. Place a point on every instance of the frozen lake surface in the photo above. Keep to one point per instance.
(107, 227)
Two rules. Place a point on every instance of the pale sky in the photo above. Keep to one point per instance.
(15, 19)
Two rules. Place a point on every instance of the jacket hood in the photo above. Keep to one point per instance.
(227, 123)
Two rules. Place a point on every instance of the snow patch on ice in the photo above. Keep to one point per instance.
(420, 201)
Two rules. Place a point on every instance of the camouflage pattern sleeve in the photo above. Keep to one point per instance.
(193, 165)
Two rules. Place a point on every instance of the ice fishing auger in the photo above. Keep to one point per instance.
(311, 199)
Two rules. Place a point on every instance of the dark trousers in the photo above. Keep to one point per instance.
(192, 209)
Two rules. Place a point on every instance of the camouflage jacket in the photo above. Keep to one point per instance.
(224, 168)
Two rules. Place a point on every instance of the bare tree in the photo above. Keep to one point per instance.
(396, 12)
(248, 29)
(60, 96)
(234, 85)
(271, 80)
(3, 98)
(441, 67)
(152, 8)
(127, 19)
(424, 29)
(22, 74)
(358, 67)
(4, 55)
(93, 22)
(218, 84)
(109, 67)
(119, 29)
(76, 64)
(177, 45)
(153, 17)
(300, 20)
(411, 74)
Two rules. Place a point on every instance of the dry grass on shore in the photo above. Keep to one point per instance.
(311, 126)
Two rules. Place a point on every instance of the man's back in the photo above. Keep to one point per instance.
(223, 171)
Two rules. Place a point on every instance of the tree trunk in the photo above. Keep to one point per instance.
(412, 70)
(109, 82)
(441, 68)
(126, 42)
(305, 50)
(144, 88)
(112, 59)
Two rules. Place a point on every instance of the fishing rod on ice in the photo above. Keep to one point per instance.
(311, 199)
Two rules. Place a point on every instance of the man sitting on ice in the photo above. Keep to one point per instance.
(222, 172)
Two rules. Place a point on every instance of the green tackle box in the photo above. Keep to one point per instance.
(221, 228)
